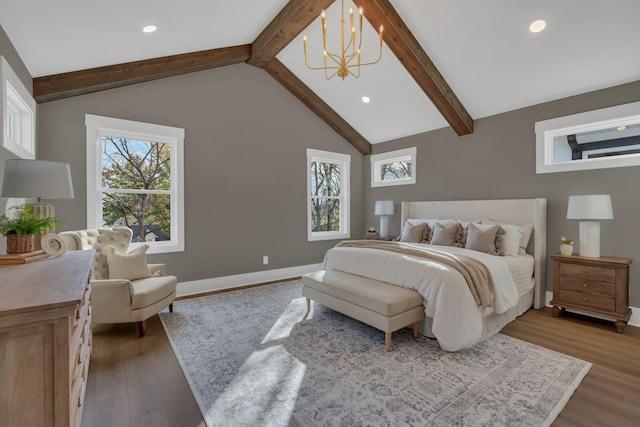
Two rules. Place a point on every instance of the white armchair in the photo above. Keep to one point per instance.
(121, 300)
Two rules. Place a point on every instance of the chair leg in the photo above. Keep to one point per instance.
(387, 341)
(415, 329)
(141, 330)
(171, 308)
(308, 304)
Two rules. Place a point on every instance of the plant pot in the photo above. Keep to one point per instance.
(19, 244)
(566, 249)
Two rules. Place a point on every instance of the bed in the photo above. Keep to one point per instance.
(453, 317)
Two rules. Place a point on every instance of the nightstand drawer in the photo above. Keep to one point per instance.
(588, 272)
(588, 300)
(587, 286)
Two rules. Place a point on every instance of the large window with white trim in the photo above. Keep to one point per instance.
(328, 195)
(135, 179)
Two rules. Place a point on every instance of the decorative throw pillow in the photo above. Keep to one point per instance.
(485, 238)
(414, 233)
(511, 239)
(526, 231)
(464, 225)
(445, 236)
(432, 226)
(130, 266)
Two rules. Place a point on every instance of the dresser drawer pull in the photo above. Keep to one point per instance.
(585, 270)
(586, 299)
(586, 285)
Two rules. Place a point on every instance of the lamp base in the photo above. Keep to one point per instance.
(590, 239)
(43, 210)
(384, 225)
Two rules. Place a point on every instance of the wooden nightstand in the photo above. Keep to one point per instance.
(597, 286)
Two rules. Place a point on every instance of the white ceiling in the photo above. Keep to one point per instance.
(484, 50)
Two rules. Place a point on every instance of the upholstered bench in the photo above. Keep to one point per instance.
(378, 304)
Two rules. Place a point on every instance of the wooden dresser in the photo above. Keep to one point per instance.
(598, 286)
(45, 340)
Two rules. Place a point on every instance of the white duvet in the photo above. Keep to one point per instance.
(457, 319)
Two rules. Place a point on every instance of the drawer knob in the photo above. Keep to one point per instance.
(585, 270)
(586, 299)
(586, 285)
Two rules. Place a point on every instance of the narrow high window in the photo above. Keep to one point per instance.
(328, 195)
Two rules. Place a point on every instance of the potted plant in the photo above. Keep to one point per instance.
(20, 228)
(566, 248)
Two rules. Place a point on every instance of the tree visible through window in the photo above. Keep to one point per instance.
(325, 196)
(395, 170)
(328, 195)
(135, 179)
(136, 184)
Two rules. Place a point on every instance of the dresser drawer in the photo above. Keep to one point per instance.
(588, 272)
(587, 286)
(588, 300)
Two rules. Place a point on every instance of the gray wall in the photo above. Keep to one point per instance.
(245, 165)
(497, 161)
(11, 55)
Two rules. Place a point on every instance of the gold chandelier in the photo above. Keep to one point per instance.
(344, 62)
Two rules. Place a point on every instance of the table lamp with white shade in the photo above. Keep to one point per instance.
(384, 208)
(39, 179)
(588, 208)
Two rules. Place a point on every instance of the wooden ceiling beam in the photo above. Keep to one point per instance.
(65, 85)
(292, 19)
(407, 49)
(293, 84)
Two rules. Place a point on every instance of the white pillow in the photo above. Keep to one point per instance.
(524, 229)
(130, 266)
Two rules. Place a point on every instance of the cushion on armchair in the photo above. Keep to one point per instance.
(130, 266)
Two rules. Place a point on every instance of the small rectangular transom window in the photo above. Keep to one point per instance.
(394, 168)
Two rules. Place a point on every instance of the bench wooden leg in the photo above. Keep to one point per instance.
(308, 304)
(415, 329)
(387, 340)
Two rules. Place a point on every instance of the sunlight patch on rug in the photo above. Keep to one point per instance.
(255, 357)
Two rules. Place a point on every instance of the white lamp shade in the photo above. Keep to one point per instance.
(384, 207)
(590, 207)
(36, 178)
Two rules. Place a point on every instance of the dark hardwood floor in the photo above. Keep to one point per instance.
(137, 381)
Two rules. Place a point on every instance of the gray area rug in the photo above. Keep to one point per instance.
(255, 358)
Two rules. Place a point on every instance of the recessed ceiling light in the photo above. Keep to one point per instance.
(149, 28)
(537, 26)
(621, 128)
(366, 99)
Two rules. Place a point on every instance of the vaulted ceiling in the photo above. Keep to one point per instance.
(444, 63)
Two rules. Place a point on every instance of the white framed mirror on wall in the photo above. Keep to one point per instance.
(605, 138)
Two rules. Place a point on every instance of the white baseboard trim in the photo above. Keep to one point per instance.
(633, 321)
(195, 287)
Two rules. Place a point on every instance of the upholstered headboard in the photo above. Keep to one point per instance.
(514, 211)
